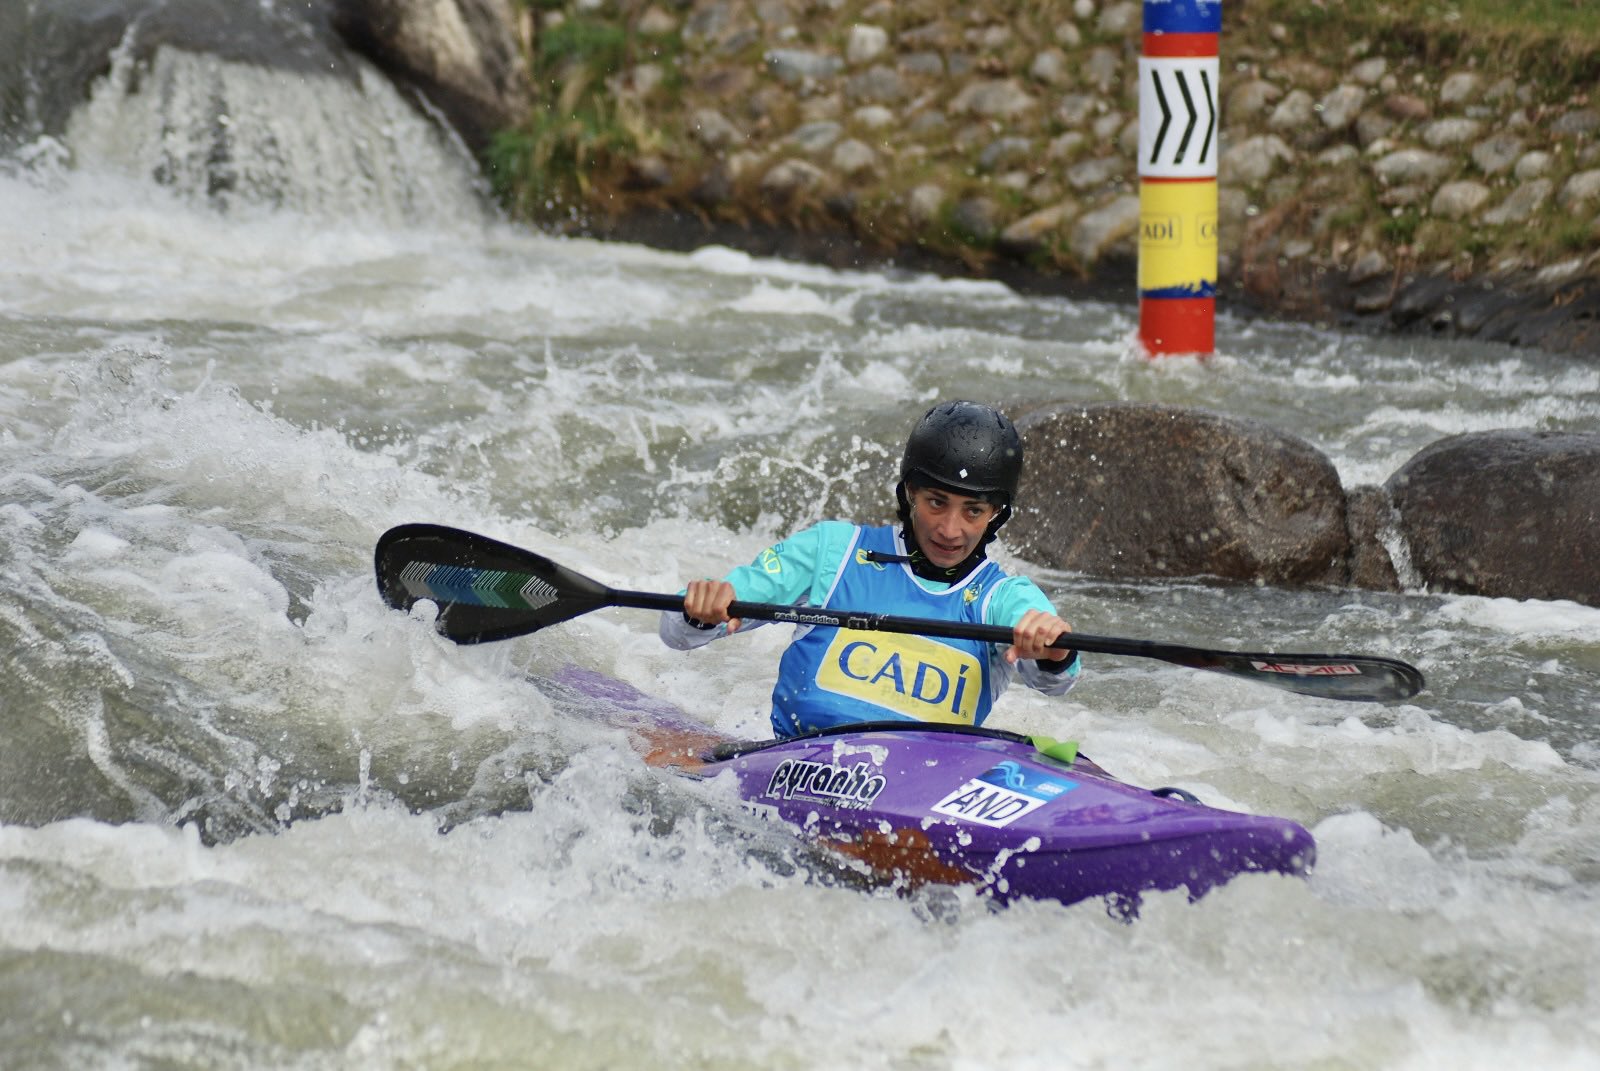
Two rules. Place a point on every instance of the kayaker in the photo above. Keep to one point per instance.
(958, 481)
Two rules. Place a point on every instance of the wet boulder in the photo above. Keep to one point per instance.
(463, 56)
(1145, 491)
(1510, 513)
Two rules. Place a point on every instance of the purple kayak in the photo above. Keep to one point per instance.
(919, 803)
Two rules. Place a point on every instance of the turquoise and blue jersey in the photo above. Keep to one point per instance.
(830, 676)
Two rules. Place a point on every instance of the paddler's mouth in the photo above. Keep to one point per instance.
(945, 554)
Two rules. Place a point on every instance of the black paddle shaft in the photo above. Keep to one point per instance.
(486, 590)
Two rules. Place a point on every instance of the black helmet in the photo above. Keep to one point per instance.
(965, 448)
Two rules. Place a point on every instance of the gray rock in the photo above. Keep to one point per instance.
(922, 64)
(1369, 72)
(993, 99)
(1444, 133)
(1511, 514)
(1503, 89)
(814, 137)
(1340, 106)
(853, 158)
(1370, 265)
(1579, 190)
(925, 203)
(1460, 88)
(873, 116)
(1120, 17)
(1524, 201)
(1294, 112)
(1497, 153)
(712, 129)
(978, 218)
(1459, 200)
(1373, 126)
(1338, 156)
(1250, 100)
(1138, 490)
(1066, 146)
(1255, 159)
(1097, 232)
(1532, 165)
(1370, 516)
(463, 56)
(1050, 67)
(1088, 174)
(865, 43)
(794, 65)
(990, 38)
(1406, 166)
(789, 178)
(878, 84)
(1107, 126)
(1580, 122)
(1074, 109)
(1004, 152)
(1103, 68)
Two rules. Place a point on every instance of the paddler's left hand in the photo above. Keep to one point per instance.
(1035, 637)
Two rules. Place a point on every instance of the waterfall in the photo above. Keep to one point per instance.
(239, 136)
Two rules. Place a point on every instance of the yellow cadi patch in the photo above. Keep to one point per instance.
(971, 594)
(911, 675)
(862, 559)
(770, 560)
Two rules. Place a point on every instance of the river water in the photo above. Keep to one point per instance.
(250, 818)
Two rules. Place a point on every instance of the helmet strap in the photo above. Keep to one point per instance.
(920, 565)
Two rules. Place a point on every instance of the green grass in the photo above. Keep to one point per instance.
(1564, 17)
(1576, 21)
(1552, 44)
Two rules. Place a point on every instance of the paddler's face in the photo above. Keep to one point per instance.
(948, 526)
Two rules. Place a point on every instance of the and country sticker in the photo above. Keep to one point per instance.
(1002, 794)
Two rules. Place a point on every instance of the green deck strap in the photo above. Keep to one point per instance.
(1063, 751)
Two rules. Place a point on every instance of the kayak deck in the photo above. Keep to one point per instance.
(917, 803)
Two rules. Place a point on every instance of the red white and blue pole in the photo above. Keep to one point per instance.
(1178, 131)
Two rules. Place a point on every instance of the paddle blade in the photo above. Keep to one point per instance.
(485, 590)
(1356, 678)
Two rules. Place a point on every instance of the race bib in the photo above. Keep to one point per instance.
(910, 675)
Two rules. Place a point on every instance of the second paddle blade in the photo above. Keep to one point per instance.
(485, 590)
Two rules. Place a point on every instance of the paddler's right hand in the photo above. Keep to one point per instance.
(706, 602)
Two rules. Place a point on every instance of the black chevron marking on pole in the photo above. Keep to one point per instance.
(1166, 117)
(1211, 116)
(1194, 117)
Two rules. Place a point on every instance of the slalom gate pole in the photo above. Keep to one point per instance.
(1178, 134)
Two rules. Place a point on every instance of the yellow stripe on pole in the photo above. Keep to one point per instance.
(1178, 239)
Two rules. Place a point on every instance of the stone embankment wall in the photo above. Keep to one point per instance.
(1373, 184)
